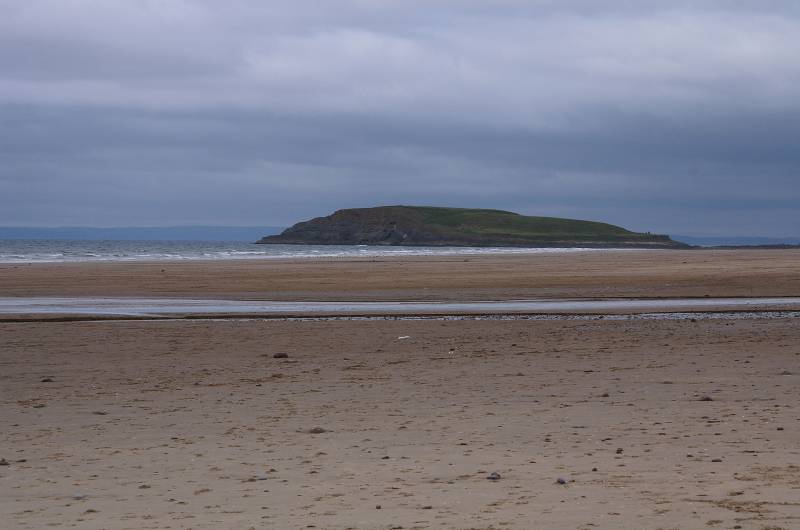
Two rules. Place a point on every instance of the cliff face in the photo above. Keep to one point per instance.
(428, 226)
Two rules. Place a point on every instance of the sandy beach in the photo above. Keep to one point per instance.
(372, 265)
(588, 424)
(638, 273)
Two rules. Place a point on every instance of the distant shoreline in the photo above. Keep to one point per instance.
(745, 247)
(243, 234)
(20, 251)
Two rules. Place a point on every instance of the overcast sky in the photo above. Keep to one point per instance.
(676, 117)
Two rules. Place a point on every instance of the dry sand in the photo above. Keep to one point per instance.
(194, 424)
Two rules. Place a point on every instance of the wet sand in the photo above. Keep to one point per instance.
(651, 424)
(631, 274)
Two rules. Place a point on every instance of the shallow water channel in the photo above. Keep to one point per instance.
(153, 307)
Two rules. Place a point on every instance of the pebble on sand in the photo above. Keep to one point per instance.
(316, 430)
(281, 355)
(494, 475)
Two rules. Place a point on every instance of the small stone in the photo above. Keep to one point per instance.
(39, 406)
(706, 398)
(716, 460)
(46, 380)
(619, 450)
(561, 481)
(316, 430)
(594, 469)
(4, 462)
(377, 506)
(281, 356)
(605, 394)
(427, 507)
(494, 475)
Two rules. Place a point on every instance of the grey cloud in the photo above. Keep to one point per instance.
(681, 118)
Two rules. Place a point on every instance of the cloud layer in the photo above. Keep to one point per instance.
(248, 112)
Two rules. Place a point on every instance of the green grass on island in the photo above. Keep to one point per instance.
(495, 222)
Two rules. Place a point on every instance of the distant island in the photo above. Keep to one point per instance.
(460, 227)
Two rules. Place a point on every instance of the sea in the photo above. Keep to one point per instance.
(66, 250)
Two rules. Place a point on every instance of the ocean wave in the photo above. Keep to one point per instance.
(39, 251)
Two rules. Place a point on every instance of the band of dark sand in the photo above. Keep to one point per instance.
(603, 274)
